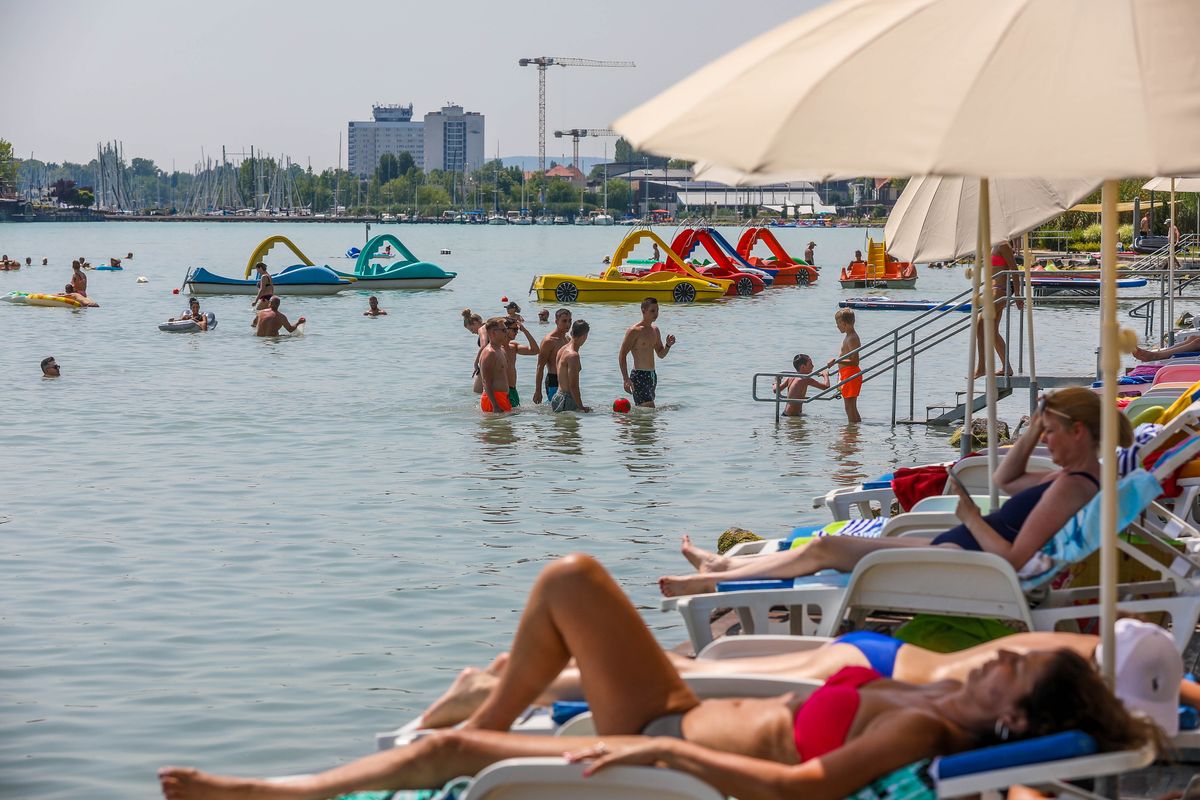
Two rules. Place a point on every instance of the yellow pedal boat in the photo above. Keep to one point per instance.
(674, 281)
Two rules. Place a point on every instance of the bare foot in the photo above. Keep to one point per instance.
(465, 695)
(703, 560)
(180, 783)
(676, 585)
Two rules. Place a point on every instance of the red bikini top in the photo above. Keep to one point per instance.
(823, 721)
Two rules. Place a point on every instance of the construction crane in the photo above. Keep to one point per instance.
(541, 62)
(578, 133)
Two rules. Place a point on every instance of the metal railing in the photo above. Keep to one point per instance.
(886, 353)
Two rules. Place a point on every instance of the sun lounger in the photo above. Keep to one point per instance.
(1047, 761)
(949, 581)
(972, 471)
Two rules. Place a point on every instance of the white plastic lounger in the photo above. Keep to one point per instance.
(954, 776)
(950, 581)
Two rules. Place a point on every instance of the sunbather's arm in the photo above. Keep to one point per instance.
(894, 740)
(1012, 473)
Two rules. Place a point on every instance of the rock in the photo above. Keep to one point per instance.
(734, 536)
(979, 433)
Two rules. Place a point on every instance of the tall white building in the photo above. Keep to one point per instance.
(453, 139)
(391, 131)
(450, 139)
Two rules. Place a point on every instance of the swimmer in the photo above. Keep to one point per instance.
(514, 311)
(544, 316)
(474, 323)
(192, 313)
(548, 355)
(847, 361)
(7, 263)
(114, 262)
(645, 341)
(374, 310)
(266, 287)
(493, 367)
(82, 299)
(45, 261)
(567, 366)
(78, 279)
(513, 327)
(28, 261)
(50, 368)
(797, 388)
(810, 254)
(129, 255)
(270, 320)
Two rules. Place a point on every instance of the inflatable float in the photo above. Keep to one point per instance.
(188, 325)
(304, 278)
(45, 300)
(613, 286)
(888, 304)
(409, 273)
(743, 281)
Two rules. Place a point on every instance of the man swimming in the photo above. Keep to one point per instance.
(547, 362)
(373, 309)
(493, 367)
(512, 327)
(50, 368)
(270, 320)
(568, 366)
(644, 340)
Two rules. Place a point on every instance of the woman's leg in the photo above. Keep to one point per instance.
(426, 764)
(576, 609)
(828, 552)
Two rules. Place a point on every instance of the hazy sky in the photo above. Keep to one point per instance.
(170, 78)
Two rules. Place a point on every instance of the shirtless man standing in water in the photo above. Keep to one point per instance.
(268, 321)
(548, 355)
(645, 341)
(513, 327)
(493, 367)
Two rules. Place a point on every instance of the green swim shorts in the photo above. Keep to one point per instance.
(513, 397)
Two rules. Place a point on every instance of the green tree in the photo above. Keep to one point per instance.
(144, 168)
(559, 190)
(8, 168)
(387, 169)
(404, 163)
(624, 152)
(432, 200)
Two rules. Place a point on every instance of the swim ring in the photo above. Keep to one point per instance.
(187, 325)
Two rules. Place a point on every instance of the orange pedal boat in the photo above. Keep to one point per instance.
(879, 271)
(788, 271)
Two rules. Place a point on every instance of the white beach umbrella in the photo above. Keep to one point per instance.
(939, 87)
(937, 218)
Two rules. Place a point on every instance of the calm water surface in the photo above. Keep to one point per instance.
(252, 554)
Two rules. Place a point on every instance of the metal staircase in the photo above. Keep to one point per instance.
(886, 354)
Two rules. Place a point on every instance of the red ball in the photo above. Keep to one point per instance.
(503, 299)
(621, 405)
(174, 291)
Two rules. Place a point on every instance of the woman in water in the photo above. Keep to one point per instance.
(1040, 504)
(856, 728)
(1002, 260)
(474, 323)
(266, 288)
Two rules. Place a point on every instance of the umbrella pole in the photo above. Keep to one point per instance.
(1033, 381)
(1109, 362)
(983, 259)
(1171, 270)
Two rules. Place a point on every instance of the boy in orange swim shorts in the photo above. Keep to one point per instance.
(502, 398)
(849, 375)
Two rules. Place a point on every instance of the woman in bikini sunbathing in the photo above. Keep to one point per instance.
(856, 728)
(1040, 504)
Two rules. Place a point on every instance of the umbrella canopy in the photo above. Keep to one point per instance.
(938, 87)
(948, 81)
(1186, 185)
(937, 219)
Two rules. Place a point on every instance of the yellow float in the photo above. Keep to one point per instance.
(678, 283)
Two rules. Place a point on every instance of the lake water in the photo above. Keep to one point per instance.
(250, 555)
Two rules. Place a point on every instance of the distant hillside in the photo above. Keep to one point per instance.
(530, 162)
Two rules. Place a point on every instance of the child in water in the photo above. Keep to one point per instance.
(849, 374)
(797, 388)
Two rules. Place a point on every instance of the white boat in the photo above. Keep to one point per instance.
(545, 219)
(388, 218)
(497, 219)
(583, 220)
(602, 219)
(560, 220)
